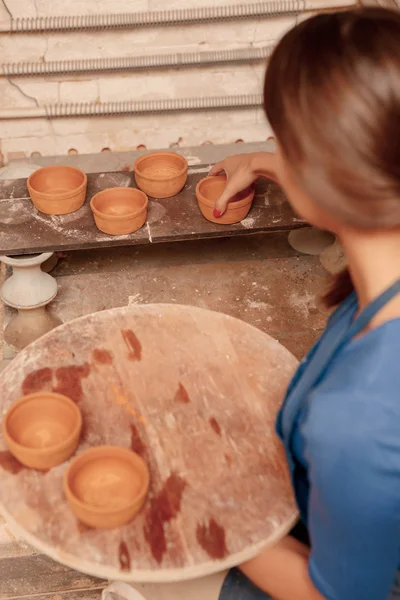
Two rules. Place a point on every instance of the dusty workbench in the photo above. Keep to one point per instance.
(24, 230)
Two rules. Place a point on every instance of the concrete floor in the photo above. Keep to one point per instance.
(259, 279)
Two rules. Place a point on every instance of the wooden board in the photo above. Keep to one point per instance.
(24, 230)
(196, 394)
(31, 576)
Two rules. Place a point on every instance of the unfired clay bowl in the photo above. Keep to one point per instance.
(57, 190)
(161, 174)
(120, 210)
(208, 190)
(106, 486)
(42, 430)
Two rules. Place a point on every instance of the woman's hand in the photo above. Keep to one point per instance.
(242, 170)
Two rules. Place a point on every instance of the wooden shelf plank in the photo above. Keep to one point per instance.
(24, 230)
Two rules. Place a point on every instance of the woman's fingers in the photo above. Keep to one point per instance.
(217, 169)
(238, 172)
(223, 200)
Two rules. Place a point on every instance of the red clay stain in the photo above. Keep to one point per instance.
(102, 356)
(36, 381)
(69, 380)
(215, 425)
(136, 441)
(182, 395)
(10, 464)
(211, 538)
(164, 507)
(133, 344)
(228, 459)
(126, 168)
(124, 557)
(155, 535)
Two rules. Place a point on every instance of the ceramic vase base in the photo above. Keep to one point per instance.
(29, 325)
(310, 241)
(333, 258)
(6, 300)
(28, 287)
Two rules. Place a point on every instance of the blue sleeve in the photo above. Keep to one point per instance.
(353, 450)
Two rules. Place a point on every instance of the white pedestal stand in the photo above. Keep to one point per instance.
(309, 240)
(29, 290)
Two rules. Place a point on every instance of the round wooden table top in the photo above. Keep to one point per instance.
(195, 393)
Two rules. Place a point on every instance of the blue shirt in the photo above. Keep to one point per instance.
(340, 424)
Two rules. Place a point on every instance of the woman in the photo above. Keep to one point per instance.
(332, 97)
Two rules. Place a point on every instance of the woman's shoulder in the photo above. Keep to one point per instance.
(358, 400)
(370, 363)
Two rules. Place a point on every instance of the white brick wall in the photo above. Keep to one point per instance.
(126, 133)
(81, 89)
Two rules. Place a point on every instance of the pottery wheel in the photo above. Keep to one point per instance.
(196, 394)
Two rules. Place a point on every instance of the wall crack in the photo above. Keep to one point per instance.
(22, 91)
(7, 9)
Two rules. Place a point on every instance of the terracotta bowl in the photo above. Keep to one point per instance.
(208, 190)
(120, 210)
(57, 190)
(161, 174)
(106, 486)
(42, 430)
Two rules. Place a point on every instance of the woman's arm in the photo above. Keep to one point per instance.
(282, 571)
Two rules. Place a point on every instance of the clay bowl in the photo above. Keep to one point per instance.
(42, 430)
(208, 190)
(106, 486)
(161, 174)
(57, 190)
(120, 210)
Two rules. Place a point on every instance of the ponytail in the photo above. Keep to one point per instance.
(341, 287)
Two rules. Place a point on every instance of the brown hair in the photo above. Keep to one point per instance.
(332, 97)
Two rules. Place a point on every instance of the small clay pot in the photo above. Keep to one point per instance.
(57, 190)
(119, 210)
(161, 174)
(106, 486)
(208, 190)
(42, 430)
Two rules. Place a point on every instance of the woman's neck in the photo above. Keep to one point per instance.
(374, 264)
